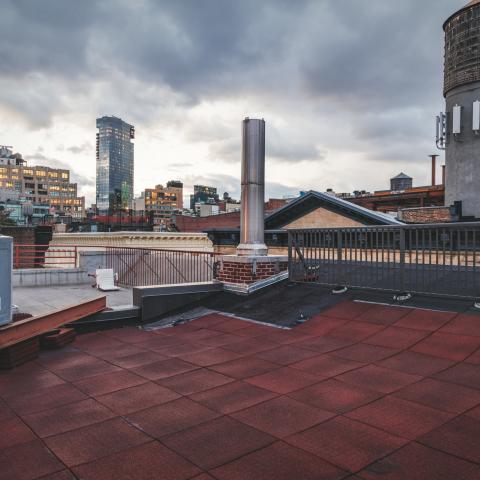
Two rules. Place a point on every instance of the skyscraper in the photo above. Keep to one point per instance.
(114, 164)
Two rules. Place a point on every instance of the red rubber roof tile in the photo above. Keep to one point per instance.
(138, 359)
(45, 398)
(463, 324)
(362, 352)
(282, 416)
(335, 396)
(417, 462)
(220, 340)
(128, 334)
(346, 443)
(326, 365)
(285, 337)
(320, 325)
(171, 417)
(355, 331)
(212, 356)
(416, 363)
(286, 354)
(63, 475)
(141, 397)
(27, 461)
(400, 417)
(445, 345)
(251, 345)
(245, 367)
(15, 432)
(427, 320)
(474, 358)
(164, 369)
(95, 441)
(144, 462)
(196, 381)
(378, 378)
(284, 380)
(396, 337)
(384, 315)
(464, 374)
(107, 383)
(217, 442)
(324, 344)
(26, 379)
(442, 395)
(459, 437)
(242, 399)
(348, 310)
(66, 418)
(232, 397)
(279, 462)
(85, 367)
(179, 349)
(231, 325)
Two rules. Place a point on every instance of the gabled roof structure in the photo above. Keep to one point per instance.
(313, 200)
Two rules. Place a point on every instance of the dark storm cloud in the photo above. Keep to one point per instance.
(374, 67)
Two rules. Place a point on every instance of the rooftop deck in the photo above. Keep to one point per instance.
(360, 391)
(42, 300)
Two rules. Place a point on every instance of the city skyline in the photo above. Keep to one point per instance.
(187, 88)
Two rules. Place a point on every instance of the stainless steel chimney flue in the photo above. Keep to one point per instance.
(252, 225)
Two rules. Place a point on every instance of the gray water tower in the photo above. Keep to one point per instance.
(6, 248)
(401, 182)
(458, 130)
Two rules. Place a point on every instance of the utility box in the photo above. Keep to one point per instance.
(6, 255)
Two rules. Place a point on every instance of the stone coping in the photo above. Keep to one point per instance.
(262, 259)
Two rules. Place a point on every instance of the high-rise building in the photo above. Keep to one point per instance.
(114, 165)
(203, 194)
(40, 184)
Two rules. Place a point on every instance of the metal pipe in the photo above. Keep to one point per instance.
(252, 222)
(443, 174)
(434, 168)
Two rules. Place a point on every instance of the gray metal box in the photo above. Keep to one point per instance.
(6, 255)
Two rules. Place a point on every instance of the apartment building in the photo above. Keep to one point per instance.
(40, 185)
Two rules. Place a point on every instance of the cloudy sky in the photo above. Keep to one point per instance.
(348, 88)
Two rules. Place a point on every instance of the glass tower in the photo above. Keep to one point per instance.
(114, 190)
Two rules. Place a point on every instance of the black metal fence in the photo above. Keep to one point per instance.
(145, 267)
(430, 259)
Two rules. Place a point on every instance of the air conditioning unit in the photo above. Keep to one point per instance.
(6, 255)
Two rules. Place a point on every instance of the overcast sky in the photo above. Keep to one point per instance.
(348, 88)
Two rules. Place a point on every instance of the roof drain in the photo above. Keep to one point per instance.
(339, 289)
(402, 297)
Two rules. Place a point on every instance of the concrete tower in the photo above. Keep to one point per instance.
(461, 137)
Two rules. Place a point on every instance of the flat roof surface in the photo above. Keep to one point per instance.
(360, 391)
(42, 300)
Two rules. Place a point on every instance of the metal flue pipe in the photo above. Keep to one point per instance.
(252, 224)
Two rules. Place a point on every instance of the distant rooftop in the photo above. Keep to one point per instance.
(402, 175)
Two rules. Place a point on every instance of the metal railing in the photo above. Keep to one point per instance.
(133, 266)
(144, 267)
(43, 256)
(430, 259)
